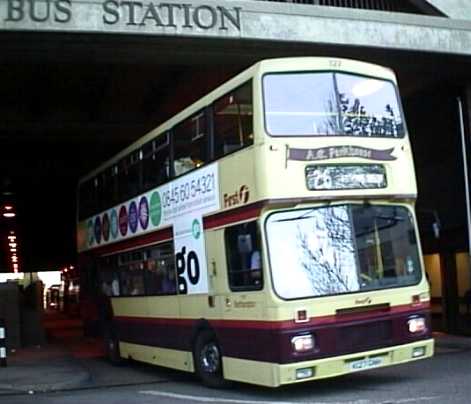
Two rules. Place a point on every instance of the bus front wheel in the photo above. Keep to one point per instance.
(208, 361)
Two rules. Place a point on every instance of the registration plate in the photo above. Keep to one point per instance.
(366, 363)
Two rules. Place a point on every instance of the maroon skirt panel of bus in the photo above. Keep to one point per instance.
(271, 341)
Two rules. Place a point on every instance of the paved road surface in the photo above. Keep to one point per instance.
(445, 379)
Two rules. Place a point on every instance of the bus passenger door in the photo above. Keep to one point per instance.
(244, 299)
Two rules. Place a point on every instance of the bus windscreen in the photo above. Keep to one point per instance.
(342, 249)
(331, 104)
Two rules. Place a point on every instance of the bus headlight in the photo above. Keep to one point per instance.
(345, 176)
(417, 325)
(302, 343)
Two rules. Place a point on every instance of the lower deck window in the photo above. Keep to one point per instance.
(143, 272)
(244, 261)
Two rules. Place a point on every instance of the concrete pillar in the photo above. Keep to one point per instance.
(465, 126)
(449, 292)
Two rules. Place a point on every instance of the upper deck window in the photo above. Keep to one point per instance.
(342, 249)
(335, 104)
(191, 144)
(233, 121)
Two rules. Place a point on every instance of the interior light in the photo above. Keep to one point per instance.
(11, 238)
(8, 207)
(9, 214)
(12, 245)
(12, 249)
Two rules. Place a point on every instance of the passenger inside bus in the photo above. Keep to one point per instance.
(115, 285)
(244, 258)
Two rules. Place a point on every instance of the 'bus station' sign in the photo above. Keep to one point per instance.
(121, 15)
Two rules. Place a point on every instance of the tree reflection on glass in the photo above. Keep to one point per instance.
(357, 121)
(328, 254)
(323, 103)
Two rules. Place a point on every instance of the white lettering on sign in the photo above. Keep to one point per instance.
(190, 255)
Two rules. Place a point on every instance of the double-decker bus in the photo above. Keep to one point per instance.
(266, 233)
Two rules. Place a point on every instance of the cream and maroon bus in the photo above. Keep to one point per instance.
(265, 234)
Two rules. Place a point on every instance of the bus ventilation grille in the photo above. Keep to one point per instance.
(363, 337)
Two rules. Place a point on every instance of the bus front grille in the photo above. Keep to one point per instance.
(362, 337)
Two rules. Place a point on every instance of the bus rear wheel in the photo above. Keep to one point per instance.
(208, 361)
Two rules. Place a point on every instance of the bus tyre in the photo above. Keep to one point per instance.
(112, 348)
(208, 361)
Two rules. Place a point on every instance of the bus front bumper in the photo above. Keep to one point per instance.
(339, 365)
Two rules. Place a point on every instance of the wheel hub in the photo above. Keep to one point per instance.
(210, 358)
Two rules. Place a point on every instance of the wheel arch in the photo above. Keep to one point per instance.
(201, 325)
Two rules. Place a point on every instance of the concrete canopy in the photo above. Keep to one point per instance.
(248, 20)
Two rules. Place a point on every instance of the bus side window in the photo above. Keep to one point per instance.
(191, 143)
(233, 121)
(155, 163)
(243, 254)
(159, 269)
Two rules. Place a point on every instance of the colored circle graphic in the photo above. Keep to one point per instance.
(132, 217)
(114, 224)
(155, 209)
(106, 227)
(196, 229)
(123, 221)
(90, 233)
(144, 213)
(97, 228)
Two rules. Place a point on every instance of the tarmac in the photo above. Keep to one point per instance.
(70, 361)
